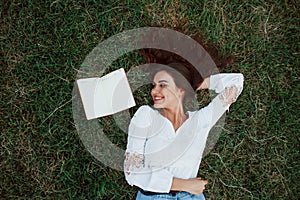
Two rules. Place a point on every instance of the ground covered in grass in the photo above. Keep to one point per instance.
(43, 44)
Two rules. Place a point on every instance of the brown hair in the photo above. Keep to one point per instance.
(183, 66)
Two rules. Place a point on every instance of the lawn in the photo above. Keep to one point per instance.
(43, 44)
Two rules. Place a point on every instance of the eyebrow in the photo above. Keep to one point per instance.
(163, 81)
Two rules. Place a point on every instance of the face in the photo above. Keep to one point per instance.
(165, 93)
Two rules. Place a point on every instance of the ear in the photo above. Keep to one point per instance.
(181, 92)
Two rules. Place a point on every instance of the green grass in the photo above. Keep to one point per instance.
(43, 44)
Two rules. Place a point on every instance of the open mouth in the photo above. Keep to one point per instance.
(157, 99)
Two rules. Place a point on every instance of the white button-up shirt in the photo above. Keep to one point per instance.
(156, 152)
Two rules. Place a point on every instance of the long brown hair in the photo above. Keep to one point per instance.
(183, 66)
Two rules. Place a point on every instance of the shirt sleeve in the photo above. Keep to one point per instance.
(228, 87)
(135, 168)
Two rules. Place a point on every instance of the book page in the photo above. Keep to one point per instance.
(86, 89)
(106, 95)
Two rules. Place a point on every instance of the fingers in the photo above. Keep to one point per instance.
(203, 183)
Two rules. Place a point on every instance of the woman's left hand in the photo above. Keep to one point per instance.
(204, 85)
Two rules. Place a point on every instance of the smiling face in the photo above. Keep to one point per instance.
(165, 93)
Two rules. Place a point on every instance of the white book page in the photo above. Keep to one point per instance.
(120, 98)
(111, 94)
(87, 89)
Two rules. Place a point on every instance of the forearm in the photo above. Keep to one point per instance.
(192, 185)
(219, 82)
(179, 184)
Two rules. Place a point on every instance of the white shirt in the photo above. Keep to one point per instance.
(156, 152)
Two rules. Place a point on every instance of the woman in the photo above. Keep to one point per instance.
(159, 158)
(165, 143)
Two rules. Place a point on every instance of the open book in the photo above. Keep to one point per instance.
(106, 95)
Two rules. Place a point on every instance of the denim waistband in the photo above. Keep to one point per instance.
(150, 193)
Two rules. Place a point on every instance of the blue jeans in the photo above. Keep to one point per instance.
(179, 196)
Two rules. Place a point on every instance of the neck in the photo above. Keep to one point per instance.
(176, 116)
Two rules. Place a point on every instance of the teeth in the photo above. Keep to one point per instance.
(157, 98)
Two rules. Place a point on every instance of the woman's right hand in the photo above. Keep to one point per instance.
(196, 185)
